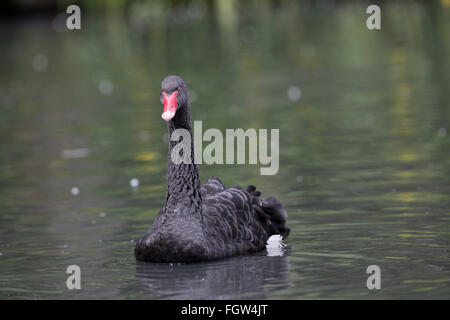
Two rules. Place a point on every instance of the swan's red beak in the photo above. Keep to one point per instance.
(170, 106)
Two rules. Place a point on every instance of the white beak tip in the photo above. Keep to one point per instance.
(167, 115)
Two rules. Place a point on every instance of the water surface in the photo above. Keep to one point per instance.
(364, 149)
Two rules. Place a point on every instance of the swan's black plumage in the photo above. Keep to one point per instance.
(210, 221)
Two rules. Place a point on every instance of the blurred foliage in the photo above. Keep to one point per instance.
(29, 6)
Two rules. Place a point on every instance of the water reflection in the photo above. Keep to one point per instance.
(249, 277)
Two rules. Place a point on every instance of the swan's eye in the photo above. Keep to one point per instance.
(179, 89)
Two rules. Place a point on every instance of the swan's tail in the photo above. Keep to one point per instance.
(271, 211)
(275, 245)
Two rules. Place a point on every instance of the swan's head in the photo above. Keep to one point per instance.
(174, 96)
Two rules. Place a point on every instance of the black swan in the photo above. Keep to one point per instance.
(210, 221)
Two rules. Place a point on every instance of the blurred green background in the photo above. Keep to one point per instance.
(364, 143)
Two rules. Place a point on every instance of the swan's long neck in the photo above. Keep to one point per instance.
(183, 180)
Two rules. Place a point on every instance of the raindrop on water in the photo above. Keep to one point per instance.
(134, 182)
(192, 96)
(40, 62)
(144, 135)
(59, 23)
(106, 87)
(294, 93)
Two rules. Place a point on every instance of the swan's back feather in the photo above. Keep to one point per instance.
(212, 186)
(231, 222)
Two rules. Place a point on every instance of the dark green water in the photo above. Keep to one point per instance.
(364, 153)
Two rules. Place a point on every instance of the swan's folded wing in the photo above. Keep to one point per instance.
(230, 212)
(211, 187)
